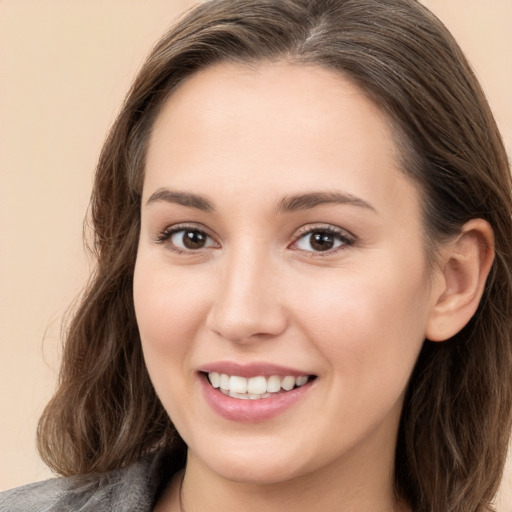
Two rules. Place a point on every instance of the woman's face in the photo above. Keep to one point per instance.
(280, 247)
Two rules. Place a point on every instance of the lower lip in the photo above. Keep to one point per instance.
(251, 411)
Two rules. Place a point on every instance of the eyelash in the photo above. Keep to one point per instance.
(165, 236)
(344, 238)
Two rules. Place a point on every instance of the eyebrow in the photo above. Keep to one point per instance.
(182, 198)
(287, 204)
(314, 199)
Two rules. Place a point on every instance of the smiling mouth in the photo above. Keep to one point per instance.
(255, 388)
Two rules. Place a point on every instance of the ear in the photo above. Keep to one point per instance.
(464, 267)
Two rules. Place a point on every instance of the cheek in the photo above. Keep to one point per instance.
(368, 326)
(170, 309)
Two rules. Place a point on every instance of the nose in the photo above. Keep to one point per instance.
(247, 306)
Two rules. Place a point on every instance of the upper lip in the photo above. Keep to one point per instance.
(251, 369)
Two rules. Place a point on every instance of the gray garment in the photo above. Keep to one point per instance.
(131, 489)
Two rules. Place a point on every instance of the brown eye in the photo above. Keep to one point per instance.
(191, 240)
(194, 239)
(323, 240)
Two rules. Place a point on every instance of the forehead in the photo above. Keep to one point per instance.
(273, 124)
(229, 99)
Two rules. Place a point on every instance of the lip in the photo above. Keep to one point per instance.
(251, 369)
(251, 411)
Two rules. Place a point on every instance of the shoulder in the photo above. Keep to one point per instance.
(132, 488)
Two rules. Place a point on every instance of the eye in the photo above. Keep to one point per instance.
(322, 239)
(183, 239)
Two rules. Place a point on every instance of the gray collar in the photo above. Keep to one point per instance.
(135, 488)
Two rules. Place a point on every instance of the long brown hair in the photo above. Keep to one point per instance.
(456, 420)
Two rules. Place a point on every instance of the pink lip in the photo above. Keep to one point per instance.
(251, 370)
(252, 411)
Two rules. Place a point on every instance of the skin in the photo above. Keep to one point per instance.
(257, 291)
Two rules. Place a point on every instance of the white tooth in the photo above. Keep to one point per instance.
(237, 384)
(214, 379)
(300, 381)
(254, 396)
(257, 385)
(288, 383)
(224, 391)
(242, 396)
(224, 381)
(273, 384)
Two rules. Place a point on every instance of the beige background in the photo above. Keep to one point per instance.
(64, 68)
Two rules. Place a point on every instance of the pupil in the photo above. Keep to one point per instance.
(193, 239)
(322, 241)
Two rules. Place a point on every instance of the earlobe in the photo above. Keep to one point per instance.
(466, 263)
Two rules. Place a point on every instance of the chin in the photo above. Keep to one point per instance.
(257, 466)
(266, 473)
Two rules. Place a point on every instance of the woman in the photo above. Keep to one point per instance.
(303, 293)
